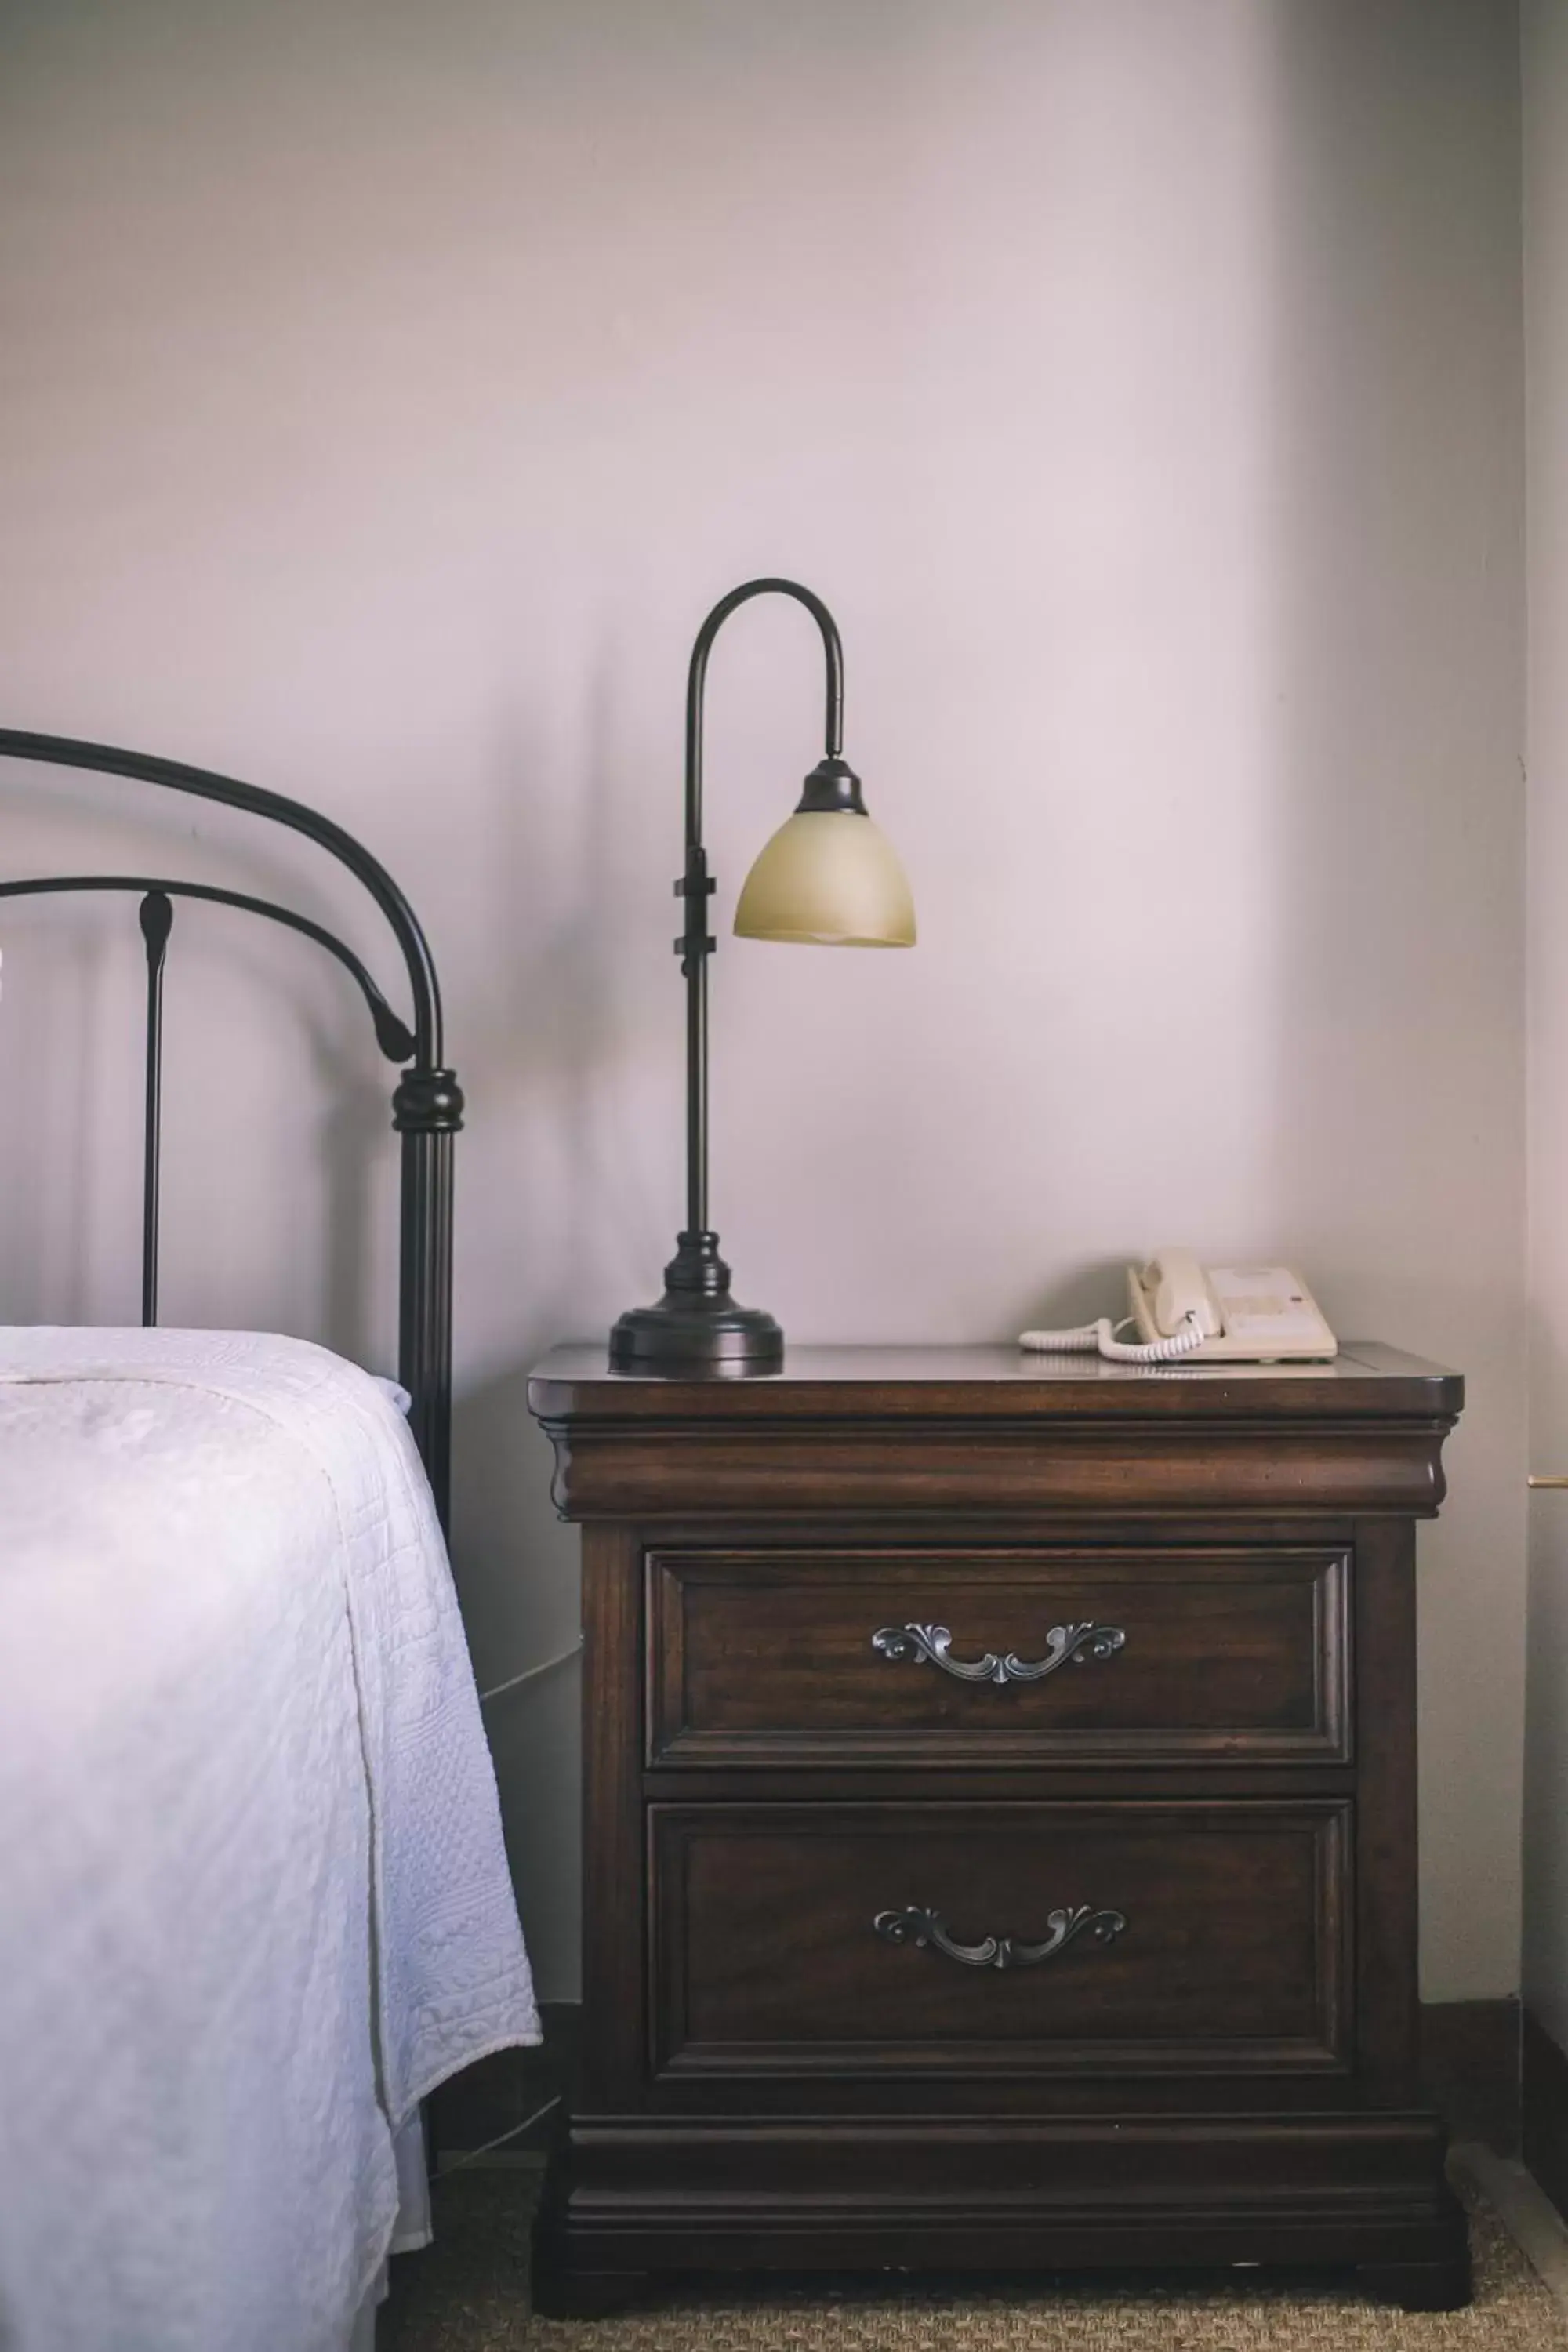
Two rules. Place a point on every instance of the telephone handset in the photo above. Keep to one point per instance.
(1223, 1314)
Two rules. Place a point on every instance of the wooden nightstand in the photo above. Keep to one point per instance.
(999, 1819)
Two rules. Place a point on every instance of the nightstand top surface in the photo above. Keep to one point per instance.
(1004, 1382)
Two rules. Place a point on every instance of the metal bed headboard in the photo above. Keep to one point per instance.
(426, 1103)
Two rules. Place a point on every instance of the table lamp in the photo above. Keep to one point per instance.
(826, 878)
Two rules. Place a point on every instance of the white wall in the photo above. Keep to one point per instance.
(1545, 60)
(387, 393)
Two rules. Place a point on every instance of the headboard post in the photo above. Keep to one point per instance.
(427, 1112)
(157, 920)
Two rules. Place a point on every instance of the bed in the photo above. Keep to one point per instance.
(254, 1903)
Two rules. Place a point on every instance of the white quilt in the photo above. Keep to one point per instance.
(253, 1898)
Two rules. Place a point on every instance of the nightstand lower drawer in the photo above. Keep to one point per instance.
(1036, 1938)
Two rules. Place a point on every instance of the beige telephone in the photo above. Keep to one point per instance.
(1255, 1313)
(1217, 1314)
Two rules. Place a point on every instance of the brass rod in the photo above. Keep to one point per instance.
(1534, 1481)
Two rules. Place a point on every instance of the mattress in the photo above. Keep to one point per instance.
(254, 1903)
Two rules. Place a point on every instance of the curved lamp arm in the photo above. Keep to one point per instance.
(695, 886)
(697, 676)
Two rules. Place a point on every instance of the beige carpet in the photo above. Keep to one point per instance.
(469, 2294)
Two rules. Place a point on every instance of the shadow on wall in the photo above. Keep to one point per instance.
(51, 1062)
(516, 1569)
(564, 829)
(1393, 715)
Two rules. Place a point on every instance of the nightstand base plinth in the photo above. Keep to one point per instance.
(631, 2198)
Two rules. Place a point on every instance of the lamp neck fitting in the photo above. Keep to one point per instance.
(831, 785)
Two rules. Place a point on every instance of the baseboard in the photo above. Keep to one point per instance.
(1469, 2065)
(489, 2106)
(1471, 2069)
(1545, 2105)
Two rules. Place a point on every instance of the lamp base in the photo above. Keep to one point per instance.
(697, 1331)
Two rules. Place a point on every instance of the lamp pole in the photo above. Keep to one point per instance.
(697, 1326)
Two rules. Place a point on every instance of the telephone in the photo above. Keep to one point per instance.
(1251, 1314)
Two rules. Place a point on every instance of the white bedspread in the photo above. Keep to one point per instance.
(253, 1899)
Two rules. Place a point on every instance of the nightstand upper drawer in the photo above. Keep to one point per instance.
(784, 1656)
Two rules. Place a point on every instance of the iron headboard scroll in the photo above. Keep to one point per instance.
(427, 1104)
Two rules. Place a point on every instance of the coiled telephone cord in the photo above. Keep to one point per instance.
(1089, 1338)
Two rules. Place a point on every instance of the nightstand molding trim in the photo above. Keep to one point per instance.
(865, 1468)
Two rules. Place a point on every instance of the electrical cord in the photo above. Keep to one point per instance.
(515, 1682)
(472, 2155)
(1090, 1338)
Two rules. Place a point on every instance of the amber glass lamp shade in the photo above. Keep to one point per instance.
(828, 877)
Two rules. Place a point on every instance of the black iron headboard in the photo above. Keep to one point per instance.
(428, 1103)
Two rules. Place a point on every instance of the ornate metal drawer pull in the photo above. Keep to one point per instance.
(920, 1928)
(1063, 1643)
